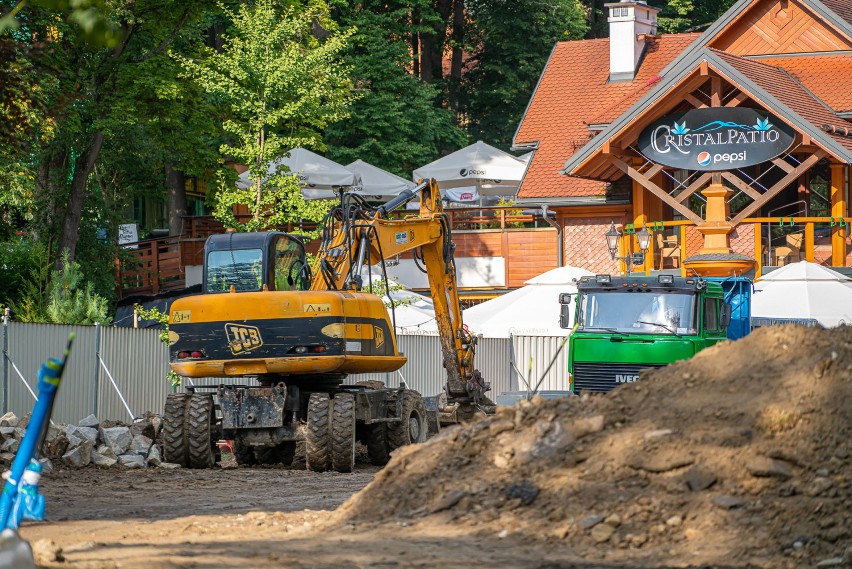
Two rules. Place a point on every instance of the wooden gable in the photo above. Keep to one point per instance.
(779, 26)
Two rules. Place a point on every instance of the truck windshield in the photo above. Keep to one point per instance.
(638, 313)
(242, 268)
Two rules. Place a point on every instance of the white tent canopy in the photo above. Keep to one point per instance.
(532, 310)
(804, 290)
(489, 170)
(373, 181)
(319, 177)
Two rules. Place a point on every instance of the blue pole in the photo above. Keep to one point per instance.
(49, 377)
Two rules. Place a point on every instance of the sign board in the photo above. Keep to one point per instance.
(717, 138)
(128, 233)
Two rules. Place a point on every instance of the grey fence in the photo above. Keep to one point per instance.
(120, 373)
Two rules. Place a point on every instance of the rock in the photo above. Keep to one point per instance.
(769, 467)
(832, 562)
(52, 432)
(143, 427)
(117, 438)
(79, 456)
(77, 435)
(818, 486)
(7, 457)
(91, 422)
(154, 456)
(447, 501)
(88, 433)
(7, 432)
(131, 461)
(613, 520)
(822, 473)
(602, 532)
(100, 460)
(590, 521)
(526, 492)
(10, 445)
(19, 432)
(728, 502)
(46, 551)
(674, 521)
(9, 420)
(657, 434)
(698, 478)
(157, 423)
(46, 465)
(169, 465)
(587, 425)
(57, 446)
(107, 452)
(659, 464)
(140, 444)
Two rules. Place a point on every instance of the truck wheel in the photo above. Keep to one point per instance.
(343, 432)
(282, 453)
(174, 436)
(201, 428)
(377, 444)
(317, 437)
(411, 428)
(244, 454)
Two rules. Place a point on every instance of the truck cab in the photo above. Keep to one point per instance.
(624, 325)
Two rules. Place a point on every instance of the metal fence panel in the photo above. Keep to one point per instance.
(30, 345)
(539, 360)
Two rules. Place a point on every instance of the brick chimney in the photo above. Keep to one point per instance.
(630, 22)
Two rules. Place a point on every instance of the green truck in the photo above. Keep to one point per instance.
(624, 325)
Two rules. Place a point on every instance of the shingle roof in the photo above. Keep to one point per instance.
(842, 8)
(828, 76)
(574, 91)
(787, 91)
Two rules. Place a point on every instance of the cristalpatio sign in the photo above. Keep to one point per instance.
(713, 139)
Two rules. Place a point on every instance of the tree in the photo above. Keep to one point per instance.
(395, 124)
(72, 303)
(510, 42)
(281, 85)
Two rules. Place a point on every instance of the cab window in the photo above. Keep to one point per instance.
(242, 268)
(711, 314)
(289, 264)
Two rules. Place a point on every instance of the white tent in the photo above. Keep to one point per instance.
(319, 177)
(532, 310)
(804, 291)
(373, 181)
(489, 170)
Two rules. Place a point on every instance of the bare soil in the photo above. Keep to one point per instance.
(740, 457)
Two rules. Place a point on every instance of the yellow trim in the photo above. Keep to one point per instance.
(290, 366)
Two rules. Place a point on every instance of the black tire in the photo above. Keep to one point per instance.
(201, 419)
(412, 426)
(318, 436)
(244, 454)
(377, 444)
(282, 453)
(343, 432)
(175, 449)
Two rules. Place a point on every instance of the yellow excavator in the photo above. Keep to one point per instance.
(299, 331)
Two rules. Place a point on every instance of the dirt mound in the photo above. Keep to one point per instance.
(740, 456)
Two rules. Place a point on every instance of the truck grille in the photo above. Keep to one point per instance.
(602, 377)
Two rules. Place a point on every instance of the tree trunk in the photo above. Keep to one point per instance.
(51, 170)
(71, 221)
(457, 61)
(415, 45)
(175, 181)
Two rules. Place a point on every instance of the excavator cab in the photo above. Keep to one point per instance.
(252, 262)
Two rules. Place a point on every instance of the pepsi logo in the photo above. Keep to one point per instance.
(464, 172)
(703, 158)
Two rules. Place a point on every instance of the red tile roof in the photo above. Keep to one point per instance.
(574, 91)
(828, 76)
(842, 8)
(780, 85)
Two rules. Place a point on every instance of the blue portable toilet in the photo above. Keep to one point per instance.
(738, 292)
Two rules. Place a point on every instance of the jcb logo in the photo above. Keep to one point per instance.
(380, 337)
(242, 339)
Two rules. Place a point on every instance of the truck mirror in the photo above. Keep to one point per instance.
(725, 315)
(565, 298)
(564, 314)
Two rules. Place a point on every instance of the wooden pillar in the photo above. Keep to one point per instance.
(758, 249)
(809, 242)
(640, 219)
(838, 209)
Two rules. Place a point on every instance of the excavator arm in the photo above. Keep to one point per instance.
(357, 236)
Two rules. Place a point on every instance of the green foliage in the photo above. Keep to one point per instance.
(381, 288)
(509, 45)
(279, 86)
(689, 15)
(90, 16)
(70, 302)
(23, 278)
(395, 124)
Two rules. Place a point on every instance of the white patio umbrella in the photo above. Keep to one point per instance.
(802, 291)
(531, 310)
(491, 171)
(375, 182)
(319, 177)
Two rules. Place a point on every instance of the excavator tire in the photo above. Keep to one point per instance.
(282, 453)
(343, 432)
(412, 427)
(175, 449)
(377, 444)
(201, 425)
(318, 436)
(244, 455)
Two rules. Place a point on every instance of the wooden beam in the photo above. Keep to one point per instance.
(738, 100)
(780, 185)
(715, 91)
(781, 163)
(704, 69)
(694, 187)
(657, 191)
(653, 170)
(694, 101)
(741, 185)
